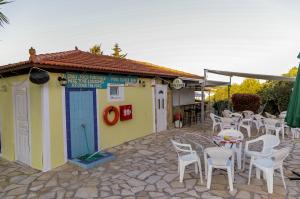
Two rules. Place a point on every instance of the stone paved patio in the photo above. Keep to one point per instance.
(145, 168)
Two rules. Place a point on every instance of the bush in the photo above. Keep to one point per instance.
(220, 106)
(276, 96)
(242, 102)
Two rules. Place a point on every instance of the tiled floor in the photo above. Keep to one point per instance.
(145, 168)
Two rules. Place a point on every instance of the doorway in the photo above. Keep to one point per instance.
(22, 129)
(81, 117)
(161, 107)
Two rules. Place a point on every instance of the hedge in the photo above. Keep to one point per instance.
(242, 102)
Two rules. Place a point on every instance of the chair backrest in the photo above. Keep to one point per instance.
(258, 117)
(181, 148)
(247, 114)
(198, 140)
(226, 113)
(268, 115)
(227, 120)
(269, 142)
(280, 155)
(282, 115)
(271, 123)
(219, 155)
(215, 118)
(231, 132)
(236, 117)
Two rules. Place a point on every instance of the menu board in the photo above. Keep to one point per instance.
(86, 80)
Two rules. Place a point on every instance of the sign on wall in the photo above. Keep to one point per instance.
(78, 80)
(178, 83)
(125, 112)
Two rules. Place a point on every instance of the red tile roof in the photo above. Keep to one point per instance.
(77, 60)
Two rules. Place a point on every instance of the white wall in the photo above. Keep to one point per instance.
(183, 96)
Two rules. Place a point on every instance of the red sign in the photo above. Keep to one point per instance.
(125, 112)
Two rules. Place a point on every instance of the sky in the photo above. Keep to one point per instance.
(245, 36)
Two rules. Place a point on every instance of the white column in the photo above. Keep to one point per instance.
(46, 128)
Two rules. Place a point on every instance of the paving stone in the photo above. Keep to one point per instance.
(243, 195)
(137, 189)
(156, 194)
(17, 191)
(86, 192)
(150, 188)
(145, 175)
(134, 182)
(126, 192)
(170, 177)
(161, 184)
(192, 193)
(104, 194)
(153, 179)
(36, 188)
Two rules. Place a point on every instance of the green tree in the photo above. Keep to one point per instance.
(117, 51)
(249, 86)
(96, 49)
(276, 94)
(292, 72)
(3, 18)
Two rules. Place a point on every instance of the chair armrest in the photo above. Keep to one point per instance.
(250, 142)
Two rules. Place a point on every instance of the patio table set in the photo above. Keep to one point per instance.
(221, 151)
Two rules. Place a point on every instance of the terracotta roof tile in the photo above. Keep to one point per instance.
(85, 61)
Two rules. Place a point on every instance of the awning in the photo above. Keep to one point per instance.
(252, 75)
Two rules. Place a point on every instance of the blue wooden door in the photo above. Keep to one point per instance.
(81, 122)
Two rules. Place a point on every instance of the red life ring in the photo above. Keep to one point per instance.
(107, 111)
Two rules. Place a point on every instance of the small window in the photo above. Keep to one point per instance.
(158, 103)
(115, 92)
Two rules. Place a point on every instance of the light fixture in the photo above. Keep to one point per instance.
(62, 81)
(38, 75)
(142, 83)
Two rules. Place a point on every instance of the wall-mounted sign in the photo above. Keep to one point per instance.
(78, 80)
(178, 83)
(125, 112)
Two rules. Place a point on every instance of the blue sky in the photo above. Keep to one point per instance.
(247, 36)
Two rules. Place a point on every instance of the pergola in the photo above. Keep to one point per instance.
(208, 83)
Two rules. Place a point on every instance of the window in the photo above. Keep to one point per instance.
(115, 92)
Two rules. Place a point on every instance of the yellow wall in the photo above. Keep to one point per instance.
(56, 122)
(142, 123)
(7, 120)
(109, 136)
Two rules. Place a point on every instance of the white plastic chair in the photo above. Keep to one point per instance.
(282, 116)
(258, 121)
(186, 156)
(268, 165)
(269, 115)
(246, 124)
(219, 158)
(247, 114)
(216, 121)
(228, 123)
(269, 143)
(199, 141)
(226, 113)
(274, 125)
(237, 148)
(295, 132)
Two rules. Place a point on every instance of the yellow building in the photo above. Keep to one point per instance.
(58, 106)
